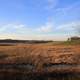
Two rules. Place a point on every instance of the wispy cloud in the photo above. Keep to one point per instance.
(13, 28)
(19, 31)
(72, 27)
(48, 27)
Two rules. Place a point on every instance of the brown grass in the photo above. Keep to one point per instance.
(40, 54)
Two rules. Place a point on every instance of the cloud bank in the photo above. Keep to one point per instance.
(46, 31)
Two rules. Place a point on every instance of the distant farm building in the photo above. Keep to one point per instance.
(74, 38)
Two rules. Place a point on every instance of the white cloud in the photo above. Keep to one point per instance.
(19, 26)
(8, 26)
(22, 31)
(3, 28)
(70, 28)
(14, 28)
(71, 25)
(48, 27)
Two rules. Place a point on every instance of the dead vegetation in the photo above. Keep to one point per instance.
(37, 61)
(40, 54)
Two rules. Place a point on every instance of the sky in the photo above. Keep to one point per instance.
(39, 19)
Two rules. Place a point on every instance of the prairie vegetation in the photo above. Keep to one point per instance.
(22, 59)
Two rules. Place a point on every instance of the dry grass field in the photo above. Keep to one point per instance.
(40, 58)
(39, 54)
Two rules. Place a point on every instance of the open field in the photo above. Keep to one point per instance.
(25, 53)
(39, 59)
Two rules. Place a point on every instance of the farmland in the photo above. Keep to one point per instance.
(40, 59)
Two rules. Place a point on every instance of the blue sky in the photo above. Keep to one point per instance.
(39, 19)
